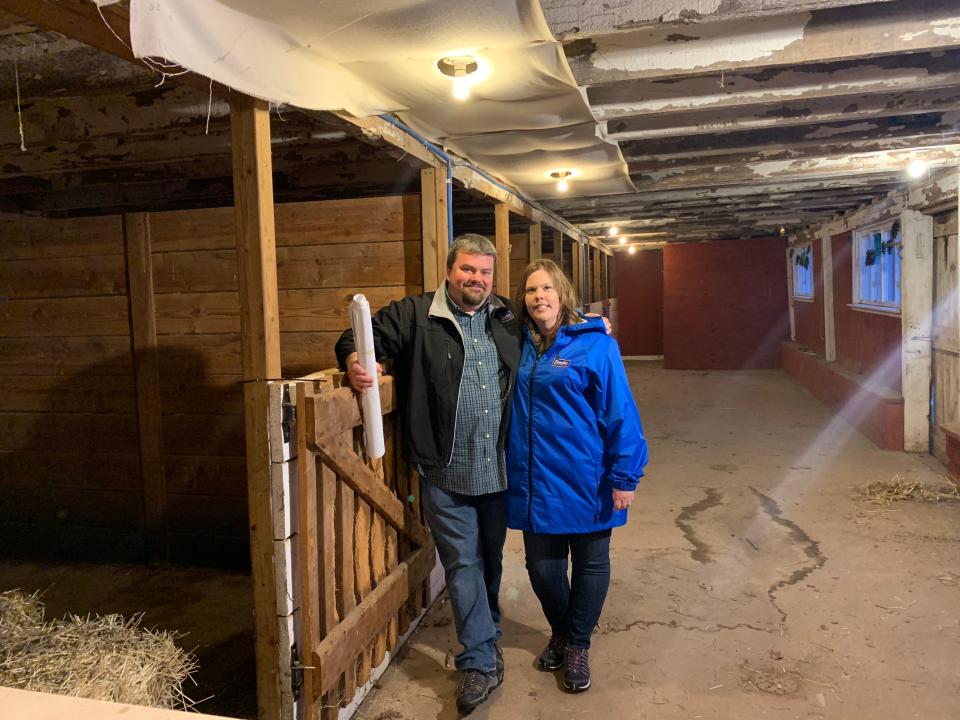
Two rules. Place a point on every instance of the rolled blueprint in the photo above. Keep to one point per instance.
(370, 399)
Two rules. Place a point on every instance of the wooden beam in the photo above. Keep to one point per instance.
(260, 340)
(576, 256)
(558, 248)
(569, 21)
(536, 247)
(596, 290)
(256, 238)
(826, 275)
(784, 113)
(839, 167)
(431, 239)
(502, 225)
(916, 312)
(473, 180)
(143, 337)
(827, 35)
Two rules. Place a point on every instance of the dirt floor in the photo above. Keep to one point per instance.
(750, 582)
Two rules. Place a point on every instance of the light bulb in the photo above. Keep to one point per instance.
(613, 230)
(461, 88)
(563, 185)
(632, 250)
(623, 241)
(917, 169)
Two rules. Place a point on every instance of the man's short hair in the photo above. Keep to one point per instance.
(470, 244)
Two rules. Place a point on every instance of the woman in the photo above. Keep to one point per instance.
(575, 454)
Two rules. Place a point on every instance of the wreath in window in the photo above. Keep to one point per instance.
(883, 248)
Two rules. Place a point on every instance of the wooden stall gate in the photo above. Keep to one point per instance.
(358, 559)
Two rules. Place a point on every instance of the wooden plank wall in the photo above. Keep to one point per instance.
(69, 471)
(326, 252)
(69, 461)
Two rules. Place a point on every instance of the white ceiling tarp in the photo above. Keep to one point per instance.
(525, 116)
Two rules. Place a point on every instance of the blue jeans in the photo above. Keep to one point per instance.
(469, 532)
(572, 608)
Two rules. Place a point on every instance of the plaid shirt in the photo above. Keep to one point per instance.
(477, 467)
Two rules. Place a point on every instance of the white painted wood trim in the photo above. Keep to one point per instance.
(875, 310)
(826, 273)
(916, 289)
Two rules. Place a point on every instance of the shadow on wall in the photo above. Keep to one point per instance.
(70, 477)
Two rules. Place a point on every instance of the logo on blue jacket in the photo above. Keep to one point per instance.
(560, 362)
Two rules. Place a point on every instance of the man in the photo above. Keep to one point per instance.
(455, 354)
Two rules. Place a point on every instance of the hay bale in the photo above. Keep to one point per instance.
(98, 657)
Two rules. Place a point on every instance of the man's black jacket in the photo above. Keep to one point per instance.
(422, 337)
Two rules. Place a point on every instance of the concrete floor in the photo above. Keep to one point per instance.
(749, 583)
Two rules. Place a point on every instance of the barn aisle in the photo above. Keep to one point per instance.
(750, 582)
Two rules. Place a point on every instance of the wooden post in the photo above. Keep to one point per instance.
(502, 224)
(826, 274)
(576, 256)
(143, 337)
(597, 275)
(436, 233)
(260, 341)
(558, 248)
(536, 242)
(916, 312)
(790, 310)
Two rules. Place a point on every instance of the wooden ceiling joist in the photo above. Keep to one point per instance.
(788, 40)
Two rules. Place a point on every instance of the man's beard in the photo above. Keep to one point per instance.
(473, 301)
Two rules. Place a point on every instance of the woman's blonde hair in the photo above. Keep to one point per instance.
(568, 299)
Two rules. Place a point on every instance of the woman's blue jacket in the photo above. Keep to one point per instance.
(575, 434)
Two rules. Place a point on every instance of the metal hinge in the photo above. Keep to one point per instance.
(288, 413)
(296, 672)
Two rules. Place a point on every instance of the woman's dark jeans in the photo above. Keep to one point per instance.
(572, 608)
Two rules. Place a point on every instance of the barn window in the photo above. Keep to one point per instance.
(876, 267)
(802, 256)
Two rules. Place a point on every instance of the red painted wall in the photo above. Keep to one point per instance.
(638, 284)
(809, 315)
(867, 343)
(725, 304)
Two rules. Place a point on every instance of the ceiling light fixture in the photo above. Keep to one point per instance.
(917, 169)
(632, 250)
(459, 68)
(623, 241)
(562, 176)
(613, 230)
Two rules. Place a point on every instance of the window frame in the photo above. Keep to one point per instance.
(795, 251)
(865, 234)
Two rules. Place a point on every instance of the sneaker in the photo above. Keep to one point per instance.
(475, 688)
(577, 677)
(499, 661)
(552, 656)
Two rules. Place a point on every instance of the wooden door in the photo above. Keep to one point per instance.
(945, 404)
